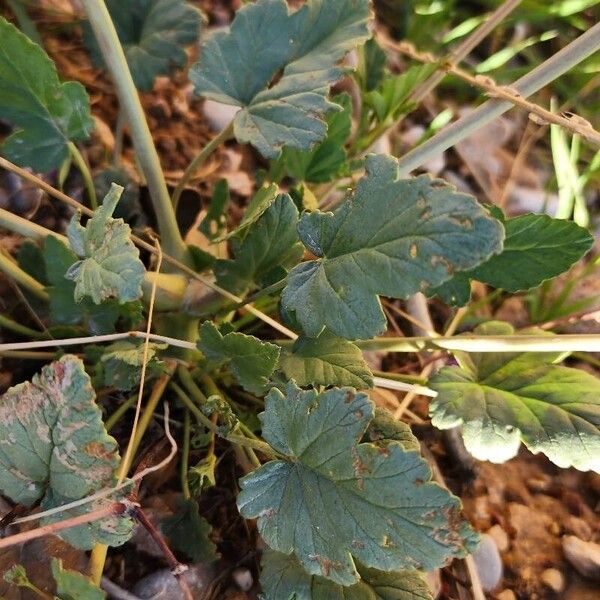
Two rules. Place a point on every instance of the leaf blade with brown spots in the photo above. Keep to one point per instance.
(333, 501)
(393, 237)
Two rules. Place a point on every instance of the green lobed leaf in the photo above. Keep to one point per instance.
(375, 61)
(251, 361)
(268, 250)
(110, 266)
(71, 585)
(238, 67)
(502, 399)
(188, 533)
(391, 98)
(283, 578)
(122, 363)
(54, 447)
(258, 205)
(326, 160)
(333, 500)
(45, 113)
(98, 318)
(327, 360)
(153, 33)
(385, 428)
(393, 237)
(536, 248)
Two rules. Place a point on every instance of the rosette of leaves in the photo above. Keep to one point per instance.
(278, 66)
(45, 113)
(392, 237)
(332, 500)
(54, 449)
(500, 400)
(153, 34)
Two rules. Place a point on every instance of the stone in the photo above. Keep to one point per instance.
(219, 115)
(161, 585)
(500, 537)
(578, 527)
(583, 556)
(554, 580)
(243, 578)
(488, 563)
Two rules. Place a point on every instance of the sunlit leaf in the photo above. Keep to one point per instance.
(502, 399)
(326, 360)
(71, 585)
(98, 318)
(536, 248)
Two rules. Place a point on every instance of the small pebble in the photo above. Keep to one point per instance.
(488, 563)
(584, 556)
(219, 115)
(243, 578)
(553, 579)
(500, 537)
(506, 595)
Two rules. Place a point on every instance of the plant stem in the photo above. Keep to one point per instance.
(185, 456)
(114, 509)
(465, 48)
(155, 396)
(118, 414)
(564, 60)
(84, 170)
(177, 569)
(96, 563)
(114, 57)
(199, 160)
(8, 323)
(12, 270)
(240, 440)
(26, 228)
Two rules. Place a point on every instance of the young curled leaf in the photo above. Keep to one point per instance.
(110, 266)
(333, 500)
(239, 66)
